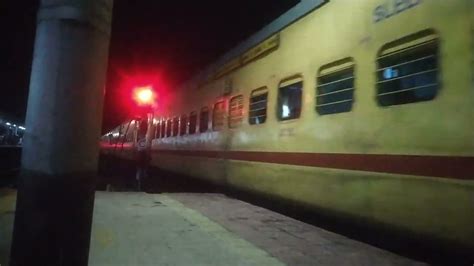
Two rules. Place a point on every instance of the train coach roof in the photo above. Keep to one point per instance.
(292, 15)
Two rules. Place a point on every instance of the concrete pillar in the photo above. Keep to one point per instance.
(63, 122)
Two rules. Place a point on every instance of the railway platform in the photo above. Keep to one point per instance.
(133, 228)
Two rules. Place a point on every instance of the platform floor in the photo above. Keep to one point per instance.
(204, 229)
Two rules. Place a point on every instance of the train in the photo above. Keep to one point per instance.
(363, 109)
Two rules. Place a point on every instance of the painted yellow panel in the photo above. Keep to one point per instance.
(228, 67)
(267, 46)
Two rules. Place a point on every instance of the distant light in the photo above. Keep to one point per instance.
(22, 128)
(14, 125)
(8, 124)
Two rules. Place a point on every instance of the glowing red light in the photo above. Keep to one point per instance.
(144, 95)
(141, 90)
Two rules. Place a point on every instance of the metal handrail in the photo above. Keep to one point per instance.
(334, 92)
(334, 82)
(332, 103)
(408, 89)
(407, 62)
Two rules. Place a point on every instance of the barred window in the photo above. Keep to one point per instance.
(289, 99)
(130, 136)
(204, 120)
(183, 125)
(142, 129)
(192, 122)
(157, 130)
(175, 126)
(408, 72)
(163, 129)
(218, 116)
(258, 106)
(168, 128)
(335, 88)
(129, 132)
(236, 111)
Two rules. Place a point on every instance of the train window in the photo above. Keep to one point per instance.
(289, 99)
(236, 111)
(204, 119)
(335, 87)
(163, 129)
(183, 125)
(124, 131)
(142, 129)
(129, 132)
(129, 136)
(157, 130)
(218, 116)
(175, 126)
(168, 128)
(192, 122)
(258, 106)
(408, 70)
(160, 131)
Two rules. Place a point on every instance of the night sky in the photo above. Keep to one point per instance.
(173, 38)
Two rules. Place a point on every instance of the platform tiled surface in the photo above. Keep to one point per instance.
(143, 229)
(204, 229)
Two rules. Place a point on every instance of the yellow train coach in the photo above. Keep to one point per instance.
(362, 108)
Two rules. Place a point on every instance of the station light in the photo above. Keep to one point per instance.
(8, 124)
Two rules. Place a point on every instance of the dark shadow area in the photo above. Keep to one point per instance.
(10, 158)
(119, 175)
(407, 244)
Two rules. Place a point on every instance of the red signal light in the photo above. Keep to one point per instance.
(144, 95)
(142, 91)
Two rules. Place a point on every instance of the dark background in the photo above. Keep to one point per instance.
(172, 39)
